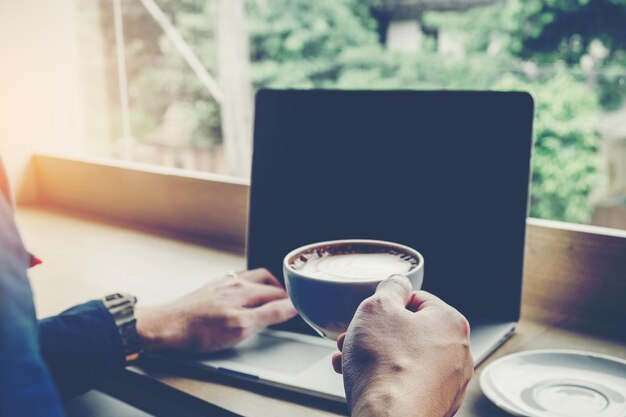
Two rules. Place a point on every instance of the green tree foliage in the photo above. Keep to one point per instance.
(565, 31)
(334, 44)
(565, 157)
(477, 27)
(553, 33)
(297, 43)
(562, 30)
(158, 77)
(382, 69)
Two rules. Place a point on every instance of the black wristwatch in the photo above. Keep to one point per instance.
(122, 308)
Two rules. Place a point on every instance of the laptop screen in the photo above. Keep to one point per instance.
(446, 173)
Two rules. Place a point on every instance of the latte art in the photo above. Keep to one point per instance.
(327, 281)
(356, 266)
(353, 262)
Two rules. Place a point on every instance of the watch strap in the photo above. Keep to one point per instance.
(122, 308)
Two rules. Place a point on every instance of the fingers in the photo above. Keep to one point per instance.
(253, 294)
(422, 299)
(273, 312)
(337, 363)
(397, 287)
(340, 340)
(260, 276)
(337, 356)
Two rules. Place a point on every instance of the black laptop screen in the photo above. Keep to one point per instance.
(446, 173)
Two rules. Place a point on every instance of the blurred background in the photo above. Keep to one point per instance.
(171, 82)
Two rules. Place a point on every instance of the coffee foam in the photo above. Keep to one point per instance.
(353, 263)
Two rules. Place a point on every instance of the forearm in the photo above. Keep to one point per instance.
(82, 347)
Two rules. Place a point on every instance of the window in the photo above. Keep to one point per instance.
(171, 82)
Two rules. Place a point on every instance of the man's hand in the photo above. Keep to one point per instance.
(405, 354)
(216, 316)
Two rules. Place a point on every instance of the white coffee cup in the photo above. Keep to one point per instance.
(328, 301)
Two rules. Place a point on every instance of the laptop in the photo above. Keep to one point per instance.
(445, 172)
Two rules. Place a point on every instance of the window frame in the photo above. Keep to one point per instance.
(209, 207)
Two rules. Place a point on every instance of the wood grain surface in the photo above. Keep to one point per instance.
(576, 270)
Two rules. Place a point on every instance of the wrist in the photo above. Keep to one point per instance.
(394, 395)
(374, 405)
(390, 404)
(152, 329)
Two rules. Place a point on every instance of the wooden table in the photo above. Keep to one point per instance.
(574, 297)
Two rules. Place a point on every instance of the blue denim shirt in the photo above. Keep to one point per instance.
(42, 363)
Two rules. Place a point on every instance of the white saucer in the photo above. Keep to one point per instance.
(557, 383)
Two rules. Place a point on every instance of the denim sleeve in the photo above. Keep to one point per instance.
(81, 346)
(26, 387)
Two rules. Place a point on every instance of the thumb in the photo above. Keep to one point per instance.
(397, 287)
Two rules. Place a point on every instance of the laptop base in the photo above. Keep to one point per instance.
(302, 363)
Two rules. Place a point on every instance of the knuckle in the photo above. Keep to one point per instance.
(236, 284)
(240, 332)
(228, 318)
(283, 313)
(464, 326)
(373, 305)
(278, 316)
(272, 315)
(399, 280)
(236, 320)
(458, 323)
(259, 273)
